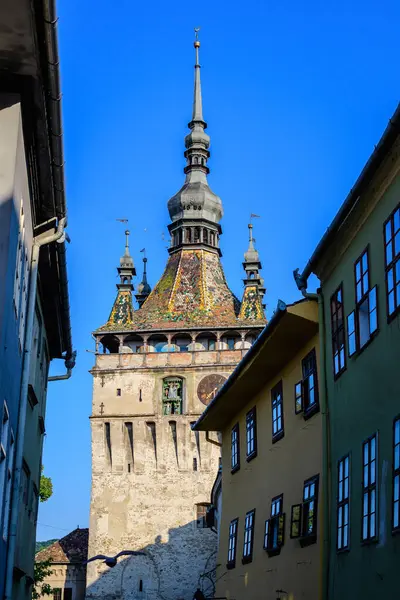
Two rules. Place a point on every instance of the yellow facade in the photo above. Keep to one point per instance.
(281, 465)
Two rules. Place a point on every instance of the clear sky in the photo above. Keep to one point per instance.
(295, 94)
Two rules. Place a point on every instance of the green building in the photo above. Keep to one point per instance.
(358, 265)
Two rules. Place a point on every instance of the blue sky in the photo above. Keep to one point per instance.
(295, 99)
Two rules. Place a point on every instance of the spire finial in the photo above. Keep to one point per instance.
(197, 101)
(127, 234)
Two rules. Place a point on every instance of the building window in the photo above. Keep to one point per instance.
(343, 508)
(232, 543)
(248, 537)
(4, 434)
(310, 385)
(277, 412)
(235, 448)
(201, 513)
(26, 476)
(251, 434)
(392, 261)
(118, 391)
(298, 398)
(337, 322)
(8, 483)
(362, 323)
(67, 593)
(275, 527)
(369, 501)
(303, 522)
(396, 474)
(172, 395)
(57, 593)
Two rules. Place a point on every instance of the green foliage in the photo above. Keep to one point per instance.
(46, 487)
(42, 569)
(42, 545)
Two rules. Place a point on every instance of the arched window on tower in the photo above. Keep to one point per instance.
(196, 235)
(205, 236)
(172, 395)
(196, 160)
(188, 235)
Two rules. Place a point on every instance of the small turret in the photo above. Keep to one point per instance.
(122, 310)
(252, 306)
(143, 289)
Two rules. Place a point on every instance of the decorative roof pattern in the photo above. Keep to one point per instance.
(122, 311)
(192, 292)
(71, 548)
(251, 308)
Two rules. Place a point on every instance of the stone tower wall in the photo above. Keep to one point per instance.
(144, 484)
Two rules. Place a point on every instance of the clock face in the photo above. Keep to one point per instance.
(209, 386)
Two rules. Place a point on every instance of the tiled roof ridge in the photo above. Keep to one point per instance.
(74, 544)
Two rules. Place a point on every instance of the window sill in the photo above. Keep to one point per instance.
(247, 559)
(343, 550)
(251, 456)
(307, 540)
(272, 552)
(394, 314)
(337, 376)
(278, 436)
(310, 412)
(361, 350)
(396, 531)
(235, 469)
(369, 542)
(231, 565)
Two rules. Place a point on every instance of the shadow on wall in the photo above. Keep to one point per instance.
(171, 570)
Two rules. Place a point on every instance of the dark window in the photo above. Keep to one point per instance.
(337, 322)
(194, 464)
(233, 527)
(369, 500)
(201, 512)
(56, 593)
(26, 477)
(343, 508)
(275, 528)
(277, 412)
(107, 432)
(392, 261)
(310, 384)
(118, 391)
(140, 585)
(310, 498)
(235, 448)
(298, 398)
(363, 323)
(396, 474)
(303, 521)
(251, 434)
(248, 537)
(67, 593)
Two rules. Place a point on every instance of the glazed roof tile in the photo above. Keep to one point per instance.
(71, 548)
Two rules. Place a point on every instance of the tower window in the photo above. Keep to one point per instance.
(172, 396)
(140, 585)
(195, 464)
(118, 391)
(201, 512)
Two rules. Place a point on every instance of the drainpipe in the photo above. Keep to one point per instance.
(69, 365)
(23, 401)
(301, 283)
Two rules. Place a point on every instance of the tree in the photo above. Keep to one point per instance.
(46, 487)
(40, 572)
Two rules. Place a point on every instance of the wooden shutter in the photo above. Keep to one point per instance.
(295, 521)
(281, 530)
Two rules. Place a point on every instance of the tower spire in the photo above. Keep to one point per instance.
(122, 310)
(126, 270)
(144, 288)
(197, 99)
(195, 210)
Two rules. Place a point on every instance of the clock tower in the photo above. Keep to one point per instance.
(157, 367)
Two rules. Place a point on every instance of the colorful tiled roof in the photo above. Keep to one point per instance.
(251, 308)
(71, 548)
(192, 292)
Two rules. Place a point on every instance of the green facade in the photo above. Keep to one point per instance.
(365, 398)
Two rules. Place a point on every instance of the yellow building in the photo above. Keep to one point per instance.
(268, 411)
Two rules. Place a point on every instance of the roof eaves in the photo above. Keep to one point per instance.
(388, 137)
(248, 357)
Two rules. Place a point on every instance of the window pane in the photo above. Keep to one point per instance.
(365, 263)
(345, 536)
(358, 270)
(388, 231)
(396, 220)
(397, 243)
(363, 322)
(397, 431)
(391, 303)
(389, 253)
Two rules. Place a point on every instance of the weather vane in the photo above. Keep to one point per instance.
(196, 32)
